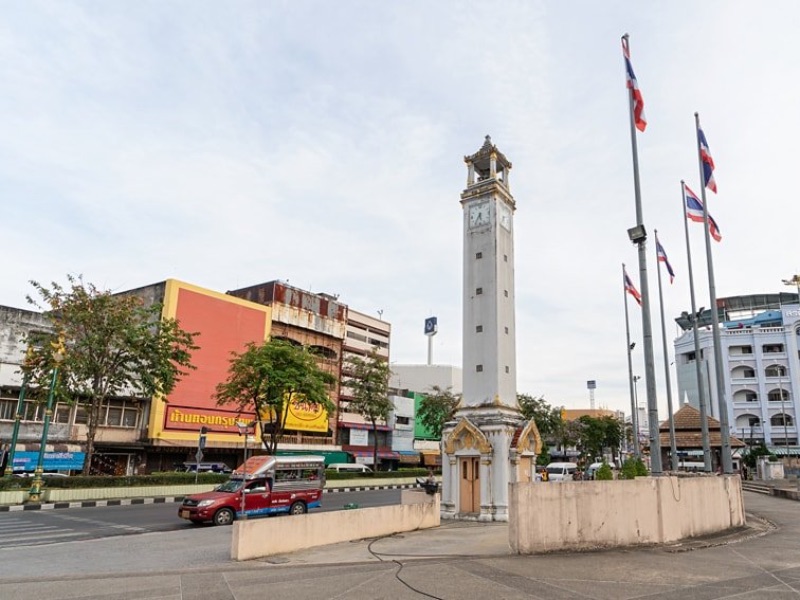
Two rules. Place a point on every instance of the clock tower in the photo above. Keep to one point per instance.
(488, 444)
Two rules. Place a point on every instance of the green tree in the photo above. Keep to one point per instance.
(368, 380)
(547, 418)
(114, 345)
(437, 407)
(266, 378)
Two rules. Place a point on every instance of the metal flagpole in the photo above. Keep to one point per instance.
(634, 408)
(724, 428)
(638, 236)
(701, 395)
(672, 447)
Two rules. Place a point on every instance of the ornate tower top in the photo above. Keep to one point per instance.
(488, 163)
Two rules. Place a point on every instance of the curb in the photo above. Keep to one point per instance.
(168, 499)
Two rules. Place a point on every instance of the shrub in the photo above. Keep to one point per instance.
(633, 468)
(604, 473)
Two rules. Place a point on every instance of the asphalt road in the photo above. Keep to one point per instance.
(42, 527)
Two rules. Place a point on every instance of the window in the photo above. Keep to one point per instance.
(505, 257)
(508, 370)
(754, 422)
(479, 255)
(778, 420)
(775, 371)
(478, 291)
(61, 414)
(8, 410)
(772, 348)
(402, 420)
(33, 411)
(778, 396)
(506, 330)
(505, 293)
(750, 397)
(80, 415)
(479, 368)
(479, 329)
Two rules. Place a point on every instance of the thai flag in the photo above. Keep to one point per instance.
(638, 102)
(630, 288)
(694, 211)
(662, 257)
(708, 162)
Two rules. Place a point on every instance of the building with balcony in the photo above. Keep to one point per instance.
(759, 337)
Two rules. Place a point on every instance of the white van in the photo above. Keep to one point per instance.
(349, 468)
(561, 471)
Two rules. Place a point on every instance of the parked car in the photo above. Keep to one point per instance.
(349, 468)
(561, 471)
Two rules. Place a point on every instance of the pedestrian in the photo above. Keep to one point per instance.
(545, 475)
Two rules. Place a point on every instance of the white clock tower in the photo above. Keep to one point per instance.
(488, 444)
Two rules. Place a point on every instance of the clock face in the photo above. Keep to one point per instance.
(479, 214)
(505, 218)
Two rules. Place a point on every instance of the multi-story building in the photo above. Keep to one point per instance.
(140, 435)
(760, 363)
(357, 437)
(414, 381)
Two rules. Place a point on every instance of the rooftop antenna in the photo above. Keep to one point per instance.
(380, 314)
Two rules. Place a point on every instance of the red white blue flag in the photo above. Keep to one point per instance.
(694, 211)
(662, 257)
(636, 95)
(630, 288)
(708, 162)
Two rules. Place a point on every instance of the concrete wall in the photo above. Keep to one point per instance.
(597, 514)
(255, 538)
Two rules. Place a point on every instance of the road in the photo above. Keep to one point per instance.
(42, 527)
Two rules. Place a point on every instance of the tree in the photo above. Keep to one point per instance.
(437, 407)
(368, 380)
(548, 419)
(265, 378)
(113, 346)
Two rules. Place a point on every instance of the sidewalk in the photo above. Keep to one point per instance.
(459, 560)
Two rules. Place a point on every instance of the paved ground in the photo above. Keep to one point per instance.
(456, 561)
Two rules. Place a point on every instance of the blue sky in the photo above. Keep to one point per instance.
(322, 143)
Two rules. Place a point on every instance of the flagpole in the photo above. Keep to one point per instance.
(701, 395)
(725, 433)
(672, 446)
(634, 408)
(639, 237)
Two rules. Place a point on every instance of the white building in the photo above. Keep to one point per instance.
(761, 367)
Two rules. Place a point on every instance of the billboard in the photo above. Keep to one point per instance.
(224, 324)
(53, 461)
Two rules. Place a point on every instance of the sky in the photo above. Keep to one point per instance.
(227, 144)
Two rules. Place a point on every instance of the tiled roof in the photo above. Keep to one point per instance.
(688, 431)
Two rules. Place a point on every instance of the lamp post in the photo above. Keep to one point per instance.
(34, 495)
(783, 411)
(243, 431)
(636, 379)
(15, 435)
(795, 281)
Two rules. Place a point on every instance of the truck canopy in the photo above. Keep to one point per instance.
(259, 466)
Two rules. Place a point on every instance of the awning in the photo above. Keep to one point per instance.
(381, 454)
(366, 426)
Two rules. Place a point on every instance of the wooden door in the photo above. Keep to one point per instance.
(470, 493)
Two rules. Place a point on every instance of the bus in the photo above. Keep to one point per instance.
(263, 485)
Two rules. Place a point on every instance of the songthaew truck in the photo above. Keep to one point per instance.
(263, 485)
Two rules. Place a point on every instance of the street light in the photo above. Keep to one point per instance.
(636, 379)
(795, 281)
(34, 495)
(17, 420)
(243, 428)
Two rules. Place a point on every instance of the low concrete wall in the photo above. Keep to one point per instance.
(596, 514)
(76, 495)
(13, 497)
(255, 538)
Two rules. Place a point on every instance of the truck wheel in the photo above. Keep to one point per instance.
(224, 516)
(298, 508)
